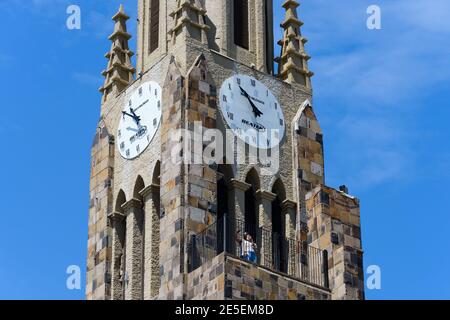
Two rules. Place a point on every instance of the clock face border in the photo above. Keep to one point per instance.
(239, 117)
(146, 101)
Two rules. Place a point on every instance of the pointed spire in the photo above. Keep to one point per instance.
(189, 16)
(293, 61)
(119, 72)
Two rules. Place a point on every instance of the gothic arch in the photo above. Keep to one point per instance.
(251, 207)
(252, 177)
(226, 170)
(154, 25)
(120, 201)
(152, 240)
(156, 180)
(279, 189)
(138, 187)
(279, 245)
(225, 199)
(119, 247)
(241, 23)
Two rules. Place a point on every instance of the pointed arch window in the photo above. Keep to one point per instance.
(241, 23)
(154, 25)
(156, 230)
(119, 248)
(279, 241)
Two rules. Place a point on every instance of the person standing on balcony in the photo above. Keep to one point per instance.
(248, 248)
(239, 240)
(252, 251)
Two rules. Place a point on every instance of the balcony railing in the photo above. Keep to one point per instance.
(294, 258)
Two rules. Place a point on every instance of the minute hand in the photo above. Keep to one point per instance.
(256, 111)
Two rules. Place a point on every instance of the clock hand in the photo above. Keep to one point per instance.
(138, 119)
(143, 104)
(255, 109)
(133, 129)
(134, 113)
(134, 117)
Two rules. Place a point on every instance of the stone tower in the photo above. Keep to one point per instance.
(167, 215)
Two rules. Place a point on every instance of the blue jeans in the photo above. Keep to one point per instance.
(251, 256)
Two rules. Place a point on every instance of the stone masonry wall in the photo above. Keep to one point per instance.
(245, 281)
(208, 281)
(334, 224)
(99, 232)
(225, 277)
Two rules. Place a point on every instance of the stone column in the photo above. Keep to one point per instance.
(238, 189)
(133, 251)
(290, 214)
(264, 202)
(151, 241)
(260, 37)
(118, 252)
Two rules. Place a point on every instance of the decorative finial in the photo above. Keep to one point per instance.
(293, 61)
(119, 73)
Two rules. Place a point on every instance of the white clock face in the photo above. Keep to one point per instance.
(252, 112)
(140, 119)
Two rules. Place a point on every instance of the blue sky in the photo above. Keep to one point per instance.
(381, 96)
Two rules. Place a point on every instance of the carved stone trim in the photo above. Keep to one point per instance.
(148, 191)
(116, 216)
(265, 195)
(133, 203)
(289, 204)
(243, 186)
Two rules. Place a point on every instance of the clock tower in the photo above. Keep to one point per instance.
(207, 172)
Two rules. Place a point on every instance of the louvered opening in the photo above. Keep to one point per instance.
(241, 23)
(154, 25)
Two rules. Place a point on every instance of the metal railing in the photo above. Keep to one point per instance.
(273, 251)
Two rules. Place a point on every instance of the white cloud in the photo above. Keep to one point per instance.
(371, 86)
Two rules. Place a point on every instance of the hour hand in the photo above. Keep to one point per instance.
(134, 114)
(255, 109)
(135, 118)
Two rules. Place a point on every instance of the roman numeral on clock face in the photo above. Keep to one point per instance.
(139, 120)
(250, 106)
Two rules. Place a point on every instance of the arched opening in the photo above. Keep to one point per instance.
(154, 25)
(241, 23)
(120, 201)
(251, 212)
(268, 17)
(155, 230)
(156, 173)
(119, 229)
(138, 187)
(224, 176)
(140, 221)
(279, 254)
